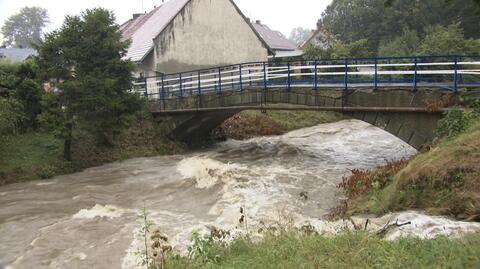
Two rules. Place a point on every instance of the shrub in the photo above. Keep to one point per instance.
(12, 117)
(363, 181)
(47, 172)
(203, 249)
(454, 123)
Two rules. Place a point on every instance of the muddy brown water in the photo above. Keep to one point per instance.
(90, 219)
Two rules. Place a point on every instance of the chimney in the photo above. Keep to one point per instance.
(259, 22)
(136, 15)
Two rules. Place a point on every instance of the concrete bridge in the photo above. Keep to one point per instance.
(404, 96)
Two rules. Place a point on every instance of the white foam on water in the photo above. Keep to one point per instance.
(206, 172)
(422, 226)
(107, 211)
(45, 183)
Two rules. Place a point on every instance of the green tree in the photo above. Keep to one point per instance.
(11, 117)
(19, 81)
(25, 28)
(353, 20)
(357, 49)
(299, 35)
(84, 58)
(405, 45)
(450, 40)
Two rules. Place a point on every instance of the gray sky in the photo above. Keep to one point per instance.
(282, 15)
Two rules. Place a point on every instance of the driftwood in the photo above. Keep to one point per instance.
(358, 227)
(388, 227)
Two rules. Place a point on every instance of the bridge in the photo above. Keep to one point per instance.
(405, 96)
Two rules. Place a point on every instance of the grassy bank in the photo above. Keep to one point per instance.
(349, 250)
(31, 156)
(443, 181)
(38, 155)
(250, 124)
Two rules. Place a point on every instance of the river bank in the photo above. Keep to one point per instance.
(38, 155)
(270, 177)
(443, 181)
(346, 250)
(272, 182)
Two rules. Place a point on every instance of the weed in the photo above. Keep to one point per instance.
(155, 259)
(363, 181)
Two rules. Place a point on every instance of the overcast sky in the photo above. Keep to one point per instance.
(282, 15)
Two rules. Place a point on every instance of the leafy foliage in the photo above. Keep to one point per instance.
(19, 81)
(397, 29)
(12, 117)
(84, 58)
(454, 123)
(25, 28)
(450, 40)
(203, 249)
(363, 181)
(406, 44)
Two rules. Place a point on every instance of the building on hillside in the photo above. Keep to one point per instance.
(16, 54)
(279, 45)
(182, 35)
(318, 39)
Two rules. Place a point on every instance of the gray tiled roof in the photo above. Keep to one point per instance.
(146, 27)
(274, 39)
(16, 54)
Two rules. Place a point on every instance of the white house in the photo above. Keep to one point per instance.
(182, 35)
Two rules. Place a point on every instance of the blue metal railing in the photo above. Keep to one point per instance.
(449, 72)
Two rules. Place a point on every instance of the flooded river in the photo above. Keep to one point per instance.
(90, 219)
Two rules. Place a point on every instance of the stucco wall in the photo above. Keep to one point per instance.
(206, 33)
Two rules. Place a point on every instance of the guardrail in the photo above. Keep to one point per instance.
(445, 72)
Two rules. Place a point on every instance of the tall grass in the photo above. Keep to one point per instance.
(349, 250)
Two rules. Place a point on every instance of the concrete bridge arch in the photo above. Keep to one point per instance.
(401, 112)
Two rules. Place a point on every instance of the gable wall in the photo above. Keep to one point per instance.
(206, 33)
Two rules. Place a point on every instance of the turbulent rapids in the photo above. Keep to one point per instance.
(90, 219)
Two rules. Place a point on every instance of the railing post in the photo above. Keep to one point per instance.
(250, 76)
(415, 75)
(375, 78)
(199, 84)
(191, 84)
(163, 91)
(345, 90)
(389, 76)
(199, 104)
(455, 76)
(241, 77)
(219, 80)
(264, 75)
(181, 85)
(315, 83)
(289, 78)
(146, 88)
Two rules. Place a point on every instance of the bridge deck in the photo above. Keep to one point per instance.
(448, 73)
